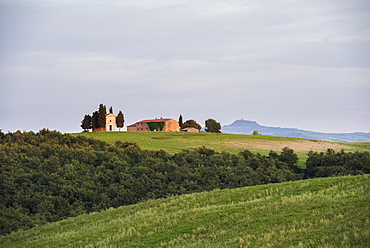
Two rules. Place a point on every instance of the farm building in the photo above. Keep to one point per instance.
(190, 130)
(158, 124)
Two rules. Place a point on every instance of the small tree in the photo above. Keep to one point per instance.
(192, 123)
(180, 122)
(288, 156)
(255, 132)
(120, 120)
(86, 123)
(212, 126)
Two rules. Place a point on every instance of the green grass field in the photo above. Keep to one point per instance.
(173, 142)
(324, 212)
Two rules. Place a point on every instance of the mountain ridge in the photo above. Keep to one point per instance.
(247, 127)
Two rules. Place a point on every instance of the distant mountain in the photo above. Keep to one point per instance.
(247, 127)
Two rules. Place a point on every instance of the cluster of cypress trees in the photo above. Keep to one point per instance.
(98, 119)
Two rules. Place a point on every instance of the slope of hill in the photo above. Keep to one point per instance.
(49, 176)
(174, 142)
(326, 212)
(247, 127)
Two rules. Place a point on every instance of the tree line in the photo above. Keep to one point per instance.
(48, 176)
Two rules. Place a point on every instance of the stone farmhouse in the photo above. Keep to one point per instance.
(190, 130)
(169, 125)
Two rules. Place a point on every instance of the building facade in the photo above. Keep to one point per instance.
(190, 130)
(169, 125)
(110, 124)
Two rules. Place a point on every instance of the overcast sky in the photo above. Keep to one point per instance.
(287, 63)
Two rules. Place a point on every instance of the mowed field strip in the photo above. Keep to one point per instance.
(297, 145)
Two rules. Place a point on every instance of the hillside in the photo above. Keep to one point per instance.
(329, 212)
(174, 142)
(247, 127)
(49, 176)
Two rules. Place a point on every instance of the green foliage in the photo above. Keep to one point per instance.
(330, 212)
(98, 119)
(212, 126)
(192, 123)
(255, 132)
(120, 120)
(333, 163)
(290, 158)
(156, 126)
(95, 120)
(86, 123)
(174, 142)
(102, 115)
(49, 176)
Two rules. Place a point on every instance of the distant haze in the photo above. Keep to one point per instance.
(248, 127)
(286, 63)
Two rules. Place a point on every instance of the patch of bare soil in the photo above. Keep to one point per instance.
(297, 146)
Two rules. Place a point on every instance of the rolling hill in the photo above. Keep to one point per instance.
(174, 142)
(247, 127)
(324, 212)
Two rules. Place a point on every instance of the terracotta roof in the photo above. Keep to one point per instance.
(132, 125)
(154, 120)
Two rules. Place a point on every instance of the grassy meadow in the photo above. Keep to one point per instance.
(323, 212)
(173, 142)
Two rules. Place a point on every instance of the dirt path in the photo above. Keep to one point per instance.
(297, 146)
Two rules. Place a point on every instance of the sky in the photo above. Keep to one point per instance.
(287, 63)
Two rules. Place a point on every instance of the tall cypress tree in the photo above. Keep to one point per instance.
(95, 120)
(180, 122)
(120, 120)
(110, 110)
(102, 115)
